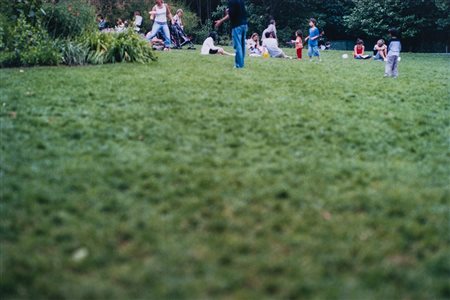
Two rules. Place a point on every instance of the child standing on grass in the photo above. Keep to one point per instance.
(391, 69)
(298, 43)
(313, 45)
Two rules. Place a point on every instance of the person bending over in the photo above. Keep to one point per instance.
(380, 51)
(208, 46)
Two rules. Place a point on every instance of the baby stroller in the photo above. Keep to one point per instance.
(179, 38)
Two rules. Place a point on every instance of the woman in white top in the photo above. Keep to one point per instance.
(208, 46)
(253, 46)
(160, 14)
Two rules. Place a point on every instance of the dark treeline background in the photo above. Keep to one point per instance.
(424, 24)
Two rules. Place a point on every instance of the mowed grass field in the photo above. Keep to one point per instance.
(187, 179)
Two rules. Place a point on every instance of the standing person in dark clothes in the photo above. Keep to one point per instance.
(237, 15)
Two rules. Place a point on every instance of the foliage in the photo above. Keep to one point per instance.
(29, 9)
(75, 53)
(117, 47)
(26, 44)
(69, 18)
(203, 31)
(285, 180)
(413, 18)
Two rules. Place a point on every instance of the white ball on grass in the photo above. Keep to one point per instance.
(344, 56)
(399, 59)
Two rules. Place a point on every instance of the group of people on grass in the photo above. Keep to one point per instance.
(163, 24)
(381, 52)
(268, 45)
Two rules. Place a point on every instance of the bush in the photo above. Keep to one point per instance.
(24, 44)
(69, 18)
(74, 53)
(128, 46)
(202, 32)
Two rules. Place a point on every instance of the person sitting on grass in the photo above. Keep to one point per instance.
(380, 51)
(358, 51)
(137, 21)
(271, 44)
(101, 22)
(120, 25)
(208, 46)
(253, 45)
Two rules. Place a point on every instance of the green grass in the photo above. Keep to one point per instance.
(187, 179)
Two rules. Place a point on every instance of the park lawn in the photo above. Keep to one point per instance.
(188, 179)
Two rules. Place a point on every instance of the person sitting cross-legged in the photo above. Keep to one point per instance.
(358, 51)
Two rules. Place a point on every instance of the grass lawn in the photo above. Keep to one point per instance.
(187, 179)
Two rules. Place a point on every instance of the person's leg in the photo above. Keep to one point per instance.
(388, 67)
(238, 47)
(243, 43)
(155, 29)
(310, 52)
(395, 67)
(166, 35)
(316, 52)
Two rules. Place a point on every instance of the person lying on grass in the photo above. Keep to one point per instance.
(157, 43)
(208, 46)
(271, 44)
(358, 51)
(380, 51)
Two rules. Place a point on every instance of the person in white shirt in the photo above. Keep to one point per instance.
(137, 21)
(120, 25)
(208, 46)
(271, 28)
(271, 44)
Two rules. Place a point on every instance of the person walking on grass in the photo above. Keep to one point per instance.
(237, 15)
(391, 69)
(313, 40)
(160, 13)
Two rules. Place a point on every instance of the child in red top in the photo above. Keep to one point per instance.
(358, 51)
(298, 43)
